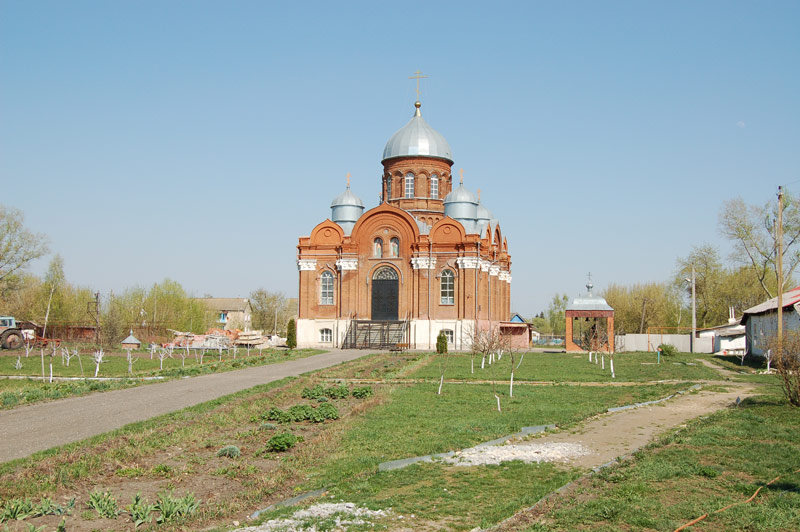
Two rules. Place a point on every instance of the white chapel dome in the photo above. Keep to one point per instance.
(417, 138)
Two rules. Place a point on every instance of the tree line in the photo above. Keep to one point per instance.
(747, 278)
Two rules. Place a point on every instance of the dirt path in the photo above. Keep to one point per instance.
(610, 436)
(33, 428)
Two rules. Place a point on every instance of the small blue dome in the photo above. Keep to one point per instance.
(417, 138)
(346, 209)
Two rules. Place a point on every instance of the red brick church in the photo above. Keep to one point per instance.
(429, 258)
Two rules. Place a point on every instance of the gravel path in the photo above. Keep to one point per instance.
(28, 429)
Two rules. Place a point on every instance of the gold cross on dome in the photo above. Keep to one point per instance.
(348, 179)
(417, 76)
(479, 194)
(461, 173)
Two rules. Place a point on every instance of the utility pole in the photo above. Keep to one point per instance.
(694, 311)
(780, 269)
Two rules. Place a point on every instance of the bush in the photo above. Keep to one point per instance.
(230, 451)
(282, 442)
(315, 392)
(267, 426)
(291, 334)
(441, 343)
(668, 350)
(326, 411)
(300, 413)
(363, 392)
(337, 392)
(276, 414)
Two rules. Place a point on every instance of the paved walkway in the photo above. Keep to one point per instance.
(28, 429)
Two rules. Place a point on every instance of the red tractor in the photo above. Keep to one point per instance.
(11, 336)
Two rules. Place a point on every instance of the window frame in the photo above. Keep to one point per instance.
(434, 186)
(447, 292)
(450, 335)
(374, 248)
(325, 333)
(326, 293)
(408, 182)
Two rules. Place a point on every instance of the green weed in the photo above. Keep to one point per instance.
(104, 504)
(140, 510)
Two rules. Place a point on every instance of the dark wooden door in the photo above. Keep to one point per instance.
(384, 299)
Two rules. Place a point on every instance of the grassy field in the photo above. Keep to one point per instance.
(570, 367)
(712, 463)
(15, 392)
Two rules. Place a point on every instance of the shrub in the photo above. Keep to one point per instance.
(441, 343)
(300, 413)
(230, 451)
(282, 442)
(315, 392)
(326, 411)
(337, 392)
(363, 392)
(668, 350)
(291, 334)
(276, 414)
(267, 426)
(104, 504)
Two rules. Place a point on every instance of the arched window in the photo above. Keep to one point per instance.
(409, 185)
(388, 188)
(326, 289)
(377, 248)
(325, 335)
(434, 186)
(395, 245)
(447, 288)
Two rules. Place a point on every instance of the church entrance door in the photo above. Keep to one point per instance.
(385, 295)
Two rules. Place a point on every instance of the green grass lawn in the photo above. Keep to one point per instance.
(15, 392)
(571, 367)
(716, 461)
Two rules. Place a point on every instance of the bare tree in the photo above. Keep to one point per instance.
(787, 364)
(490, 342)
(98, 358)
(131, 360)
(752, 229)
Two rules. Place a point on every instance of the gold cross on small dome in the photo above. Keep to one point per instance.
(461, 173)
(348, 179)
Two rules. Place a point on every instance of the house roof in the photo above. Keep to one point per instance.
(789, 299)
(224, 303)
(516, 318)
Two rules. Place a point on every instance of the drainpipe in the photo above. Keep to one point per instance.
(430, 257)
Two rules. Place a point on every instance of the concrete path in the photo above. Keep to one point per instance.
(28, 429)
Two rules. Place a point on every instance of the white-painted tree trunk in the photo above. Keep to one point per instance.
(96, 368)
(612, 368)
(511, 386)
(51, 369)
(441, 382)
(41, 352)
(483, 362)
(603, 360)
(498, 402)
(472, 365)
(590, 356)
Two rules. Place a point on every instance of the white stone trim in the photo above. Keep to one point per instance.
(484, 265)
(347, 264)
(423, 263)
(494, 270)
(467, 263)
(306, 264)
(503, 275)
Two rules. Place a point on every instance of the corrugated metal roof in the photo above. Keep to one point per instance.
(589, 301)
(789, 298)
(131, 339)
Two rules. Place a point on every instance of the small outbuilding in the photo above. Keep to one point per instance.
(590, 323)
(761, 321)
(131, 342)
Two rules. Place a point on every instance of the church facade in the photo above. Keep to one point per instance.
(429, 258)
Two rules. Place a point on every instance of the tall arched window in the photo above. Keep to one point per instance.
(395, 247)
(388, 188)
(409, 185)
(326, 289)
(377, 248)
(434, 186)
(447, 288)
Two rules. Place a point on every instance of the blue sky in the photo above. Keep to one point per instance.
(197, 140)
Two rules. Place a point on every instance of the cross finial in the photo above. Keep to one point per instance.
(417, 76)
(589, 284)
(479, 195)
(348, 179)
(461, 173)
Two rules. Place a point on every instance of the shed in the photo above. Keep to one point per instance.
(761, 321)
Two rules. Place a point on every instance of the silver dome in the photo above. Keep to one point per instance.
(461, 204)
(346, 208)
(417, 138)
